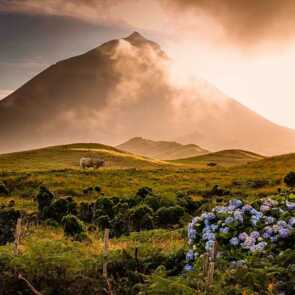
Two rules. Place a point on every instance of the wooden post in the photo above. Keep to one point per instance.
(17, 236)
(20, 277)
(106, 252)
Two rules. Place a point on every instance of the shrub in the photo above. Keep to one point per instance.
(104, 206)
(153, 202)
(103, 221)
(59, 208)
(44, 198)
(289, 179)
(8, 220)
(144, 192)
(3, 189)
(141, 217)
(187, 203)
(86, 211)
(73, 226)
(167, 216)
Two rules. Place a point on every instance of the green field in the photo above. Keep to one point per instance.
(46, 251)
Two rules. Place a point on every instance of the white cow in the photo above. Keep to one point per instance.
(91, 162)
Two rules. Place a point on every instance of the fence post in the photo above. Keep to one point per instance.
(17, 236)
(106, 252)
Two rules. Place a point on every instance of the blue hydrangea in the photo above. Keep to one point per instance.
(234, 241)
(269, 220)
(282, 223)
(207, 236)
(292, 221)
(229, 220)
(188, 267)
(209, 245)
(290, 206)
(234, 204)
(224, 230)
(190, 255)
(247, 208)
(238, 216)
(284, 233)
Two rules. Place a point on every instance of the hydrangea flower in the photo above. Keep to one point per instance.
(234, 204)
(243, 236)
(229, 220)
(247, 208)
(269, 220)
(188, 267)
(290, 205)
(282, 223)
(284, 233)
(292, 221)
(255, 235)
(209, 245)
(224, 230)
(190, 255)
(248, 243)
(238, 216)
(234, 241)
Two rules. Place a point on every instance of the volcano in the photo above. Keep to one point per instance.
(122, 89)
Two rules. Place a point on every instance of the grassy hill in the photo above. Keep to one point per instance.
(164, 150)
(225, 158)
(68, 156)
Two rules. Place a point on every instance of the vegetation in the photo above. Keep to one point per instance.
(146, 204)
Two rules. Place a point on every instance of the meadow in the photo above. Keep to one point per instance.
(56, 263)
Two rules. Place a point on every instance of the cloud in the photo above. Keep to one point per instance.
(244, 22)
(4, 93)
(88, 10)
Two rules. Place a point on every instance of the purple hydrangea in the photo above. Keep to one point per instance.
(284, 233)
(248, 243)
(265, 208)
(269, 220)
(290, 205)
(243, 236)
(282, 223)
(255, 235)
(238, 216)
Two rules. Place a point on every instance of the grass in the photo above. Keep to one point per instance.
(226, 158)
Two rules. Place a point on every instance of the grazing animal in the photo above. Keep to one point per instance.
(91, 162)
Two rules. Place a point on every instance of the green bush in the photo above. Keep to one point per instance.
(104, 206)
(44, 199)
(289, 179)
(59, 208)
(72, 225)
(8, 220)
(3, 189)
(141, 217)
(167, 216)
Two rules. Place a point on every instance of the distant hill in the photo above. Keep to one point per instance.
(224, 158)
(68, 157)
(164, 150)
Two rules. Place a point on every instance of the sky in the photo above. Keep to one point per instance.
(246, 48)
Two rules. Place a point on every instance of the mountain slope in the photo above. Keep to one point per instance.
(68, 157)
(123, 88)
(164, 150)
(224, 158)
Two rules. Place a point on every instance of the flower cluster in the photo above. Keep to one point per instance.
(245, 227)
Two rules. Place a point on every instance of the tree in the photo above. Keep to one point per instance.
(289, 179)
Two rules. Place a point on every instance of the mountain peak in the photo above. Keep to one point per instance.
(135, 36)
